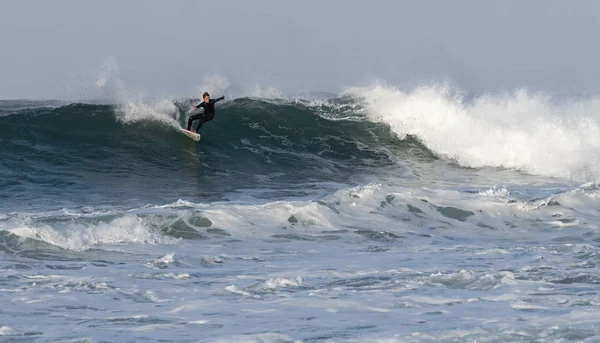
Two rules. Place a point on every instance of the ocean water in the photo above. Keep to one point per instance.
(377, 215)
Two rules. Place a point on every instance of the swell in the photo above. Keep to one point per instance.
(129, 151)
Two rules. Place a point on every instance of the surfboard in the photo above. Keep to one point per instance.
(190, 134)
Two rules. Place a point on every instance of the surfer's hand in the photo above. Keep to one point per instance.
(194, 107)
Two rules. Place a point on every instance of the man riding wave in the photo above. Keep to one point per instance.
(209, 111)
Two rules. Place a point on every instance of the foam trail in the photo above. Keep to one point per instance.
(522, 131)
(163, 111)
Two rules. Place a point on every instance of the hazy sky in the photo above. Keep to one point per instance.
(57, 49)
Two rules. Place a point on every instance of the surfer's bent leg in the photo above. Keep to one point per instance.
(192, 118)
(201, 121)
(204, 118)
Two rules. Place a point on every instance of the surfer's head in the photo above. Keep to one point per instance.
(206, 97)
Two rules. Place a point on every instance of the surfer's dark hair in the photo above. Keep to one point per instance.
(205, 95)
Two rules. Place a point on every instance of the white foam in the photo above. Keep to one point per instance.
(471, 280)
(5, 330)
(138, 109)
(236, 290)
(519, 130)
(199, 322)
(166, 259)
(523, 306)
(496, 251)
(180, 276)
(496, 192)
(80, 237)
(279, 282)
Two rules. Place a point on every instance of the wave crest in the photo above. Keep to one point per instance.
(534, 133)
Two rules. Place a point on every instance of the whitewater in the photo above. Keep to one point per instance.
(375, 215)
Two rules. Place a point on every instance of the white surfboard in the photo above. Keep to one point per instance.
(190, 134)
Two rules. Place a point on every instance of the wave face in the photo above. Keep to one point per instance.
(135, 151)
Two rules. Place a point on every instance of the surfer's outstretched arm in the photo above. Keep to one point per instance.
(221, 98)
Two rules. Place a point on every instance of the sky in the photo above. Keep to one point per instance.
(61, 49)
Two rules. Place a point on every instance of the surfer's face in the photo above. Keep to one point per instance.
(207, 98)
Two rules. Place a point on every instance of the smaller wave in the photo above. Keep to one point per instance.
(84, 235)
(5, 330)
(277, 283)
(471, 280)
(165, 261)
(267, 286)
(497, 191)
(383, 215)
(391, 214)
(163, 276)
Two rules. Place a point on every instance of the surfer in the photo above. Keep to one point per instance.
(209, 111)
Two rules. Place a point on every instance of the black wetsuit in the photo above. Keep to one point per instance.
(208, 114)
